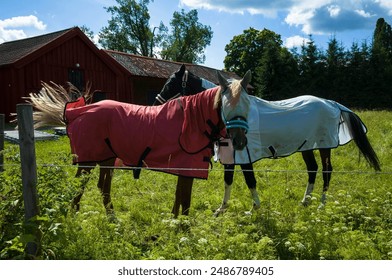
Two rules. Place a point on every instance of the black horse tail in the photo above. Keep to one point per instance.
(358, 133)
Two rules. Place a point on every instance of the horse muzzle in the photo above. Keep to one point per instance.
(237, 128)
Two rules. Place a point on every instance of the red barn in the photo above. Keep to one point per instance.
(147, 75)
(70, 56)
(62, 56)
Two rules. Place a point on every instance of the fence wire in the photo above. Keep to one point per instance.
(214, 169)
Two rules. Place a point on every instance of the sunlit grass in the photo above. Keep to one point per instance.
(355, 223)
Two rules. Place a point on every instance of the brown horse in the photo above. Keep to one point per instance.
(103, 131)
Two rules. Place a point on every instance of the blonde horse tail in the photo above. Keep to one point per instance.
(49, 104)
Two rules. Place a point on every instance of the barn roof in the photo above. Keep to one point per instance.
(19, 50)
(152, 67)
(13, 51)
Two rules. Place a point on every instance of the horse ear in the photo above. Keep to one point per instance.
(222, 81)
(181, 70)
(246, 79)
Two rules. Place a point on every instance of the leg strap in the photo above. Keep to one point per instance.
(136, 172)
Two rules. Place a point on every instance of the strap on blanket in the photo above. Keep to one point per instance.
(213, 137)
(215, 132)
(273, 151)
(136, 172)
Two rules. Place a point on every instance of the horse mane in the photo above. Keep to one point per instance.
(235, 88)
(49, 103)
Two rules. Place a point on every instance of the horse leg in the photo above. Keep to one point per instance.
(105, 183)
(325, 155)
(183, 196)
(81, 171)
(177, 200)
(311, 166)
(186, 187)
(250, 179)
(228, 177)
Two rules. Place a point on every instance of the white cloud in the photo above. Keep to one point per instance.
(295, 41)
(14, 28)
(387, 4)
(266, 8)
(363, 13)
(23, 21)
(334, 11)
(311, 16)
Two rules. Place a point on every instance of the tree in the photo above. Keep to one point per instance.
(381, 63)
(276, 74)
(129, 29)
(187, 40)
(357, 76)
(89, 33)
(245, 50)
(273, 66)
(335, 63)
(311, 69)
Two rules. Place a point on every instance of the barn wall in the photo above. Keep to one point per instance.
(145, 89)
(73, 54)
(6, 96)
(55, 65)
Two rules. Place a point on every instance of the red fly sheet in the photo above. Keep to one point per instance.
(173, 138)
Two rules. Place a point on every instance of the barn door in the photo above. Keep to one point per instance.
(76, 77)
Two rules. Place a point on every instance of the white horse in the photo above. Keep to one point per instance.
(281, 128)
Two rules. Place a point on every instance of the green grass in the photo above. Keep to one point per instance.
(355, 223)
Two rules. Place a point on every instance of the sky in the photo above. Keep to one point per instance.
(347, 20)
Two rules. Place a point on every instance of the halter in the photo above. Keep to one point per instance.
(184, 81)
(182, 93)
(235, 122)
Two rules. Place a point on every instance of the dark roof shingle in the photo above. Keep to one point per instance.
(151, 67)
(11, 52)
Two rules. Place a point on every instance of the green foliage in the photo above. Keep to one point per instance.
(355, 223)
(128, 30)
(357, 77)
(188, 38)
(245, 50)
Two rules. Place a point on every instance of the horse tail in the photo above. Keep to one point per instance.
(358, 133)
(49, 103)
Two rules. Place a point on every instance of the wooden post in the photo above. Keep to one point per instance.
(2, 127)
(29, 174)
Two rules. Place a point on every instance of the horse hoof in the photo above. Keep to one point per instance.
(306, 201)
(219, 212)
(112, 218)
(256, 206)
(321, 206)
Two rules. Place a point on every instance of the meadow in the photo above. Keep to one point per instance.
(356, 222)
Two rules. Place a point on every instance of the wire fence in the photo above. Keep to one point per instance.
(220, 168)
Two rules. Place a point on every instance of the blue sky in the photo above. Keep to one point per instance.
(347, 20)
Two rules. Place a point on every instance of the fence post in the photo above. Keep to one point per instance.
(2, 127)
(29, 174)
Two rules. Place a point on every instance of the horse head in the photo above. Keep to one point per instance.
(180, 83)
(235, 106)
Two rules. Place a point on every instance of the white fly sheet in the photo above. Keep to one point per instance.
(281, 128)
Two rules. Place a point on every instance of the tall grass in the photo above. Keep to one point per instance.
(355, 223)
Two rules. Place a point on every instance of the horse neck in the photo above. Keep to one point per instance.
(203, 105)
